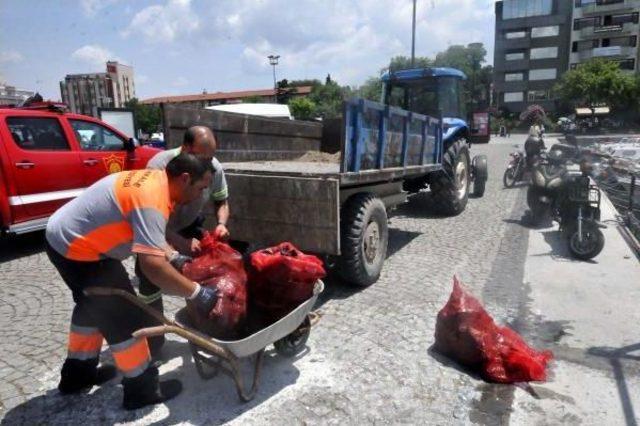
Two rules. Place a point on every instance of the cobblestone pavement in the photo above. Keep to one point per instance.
(368, 360)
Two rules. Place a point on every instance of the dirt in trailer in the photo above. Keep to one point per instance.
(319, 157)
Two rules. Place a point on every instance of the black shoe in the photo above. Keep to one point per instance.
(77, 376)
(145, 389)
(166, 391)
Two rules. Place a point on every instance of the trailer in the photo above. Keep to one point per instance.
(336, 205)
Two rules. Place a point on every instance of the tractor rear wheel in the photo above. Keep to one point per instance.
(450, 187)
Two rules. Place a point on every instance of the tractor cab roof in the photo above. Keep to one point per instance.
(418, 73)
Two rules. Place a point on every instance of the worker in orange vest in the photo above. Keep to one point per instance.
(122, 214)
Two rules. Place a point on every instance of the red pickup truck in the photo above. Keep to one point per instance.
(48, 156)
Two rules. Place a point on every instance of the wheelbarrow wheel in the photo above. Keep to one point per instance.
(292, 344)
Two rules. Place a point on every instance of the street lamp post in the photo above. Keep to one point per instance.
(413, 36)
(273, 61)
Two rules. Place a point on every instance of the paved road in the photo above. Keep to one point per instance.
(369, 359)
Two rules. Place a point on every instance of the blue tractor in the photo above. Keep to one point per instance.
(438, 92)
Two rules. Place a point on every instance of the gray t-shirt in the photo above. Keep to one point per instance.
(185, 214)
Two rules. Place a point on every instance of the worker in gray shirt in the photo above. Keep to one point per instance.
(184, 228)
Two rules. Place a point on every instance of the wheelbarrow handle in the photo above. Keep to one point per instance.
(168, 327)
(187, 334)
(102, 291)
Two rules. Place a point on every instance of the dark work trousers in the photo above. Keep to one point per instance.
(98, 317)
(152, 295)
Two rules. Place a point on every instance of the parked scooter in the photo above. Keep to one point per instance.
(562, 189)
(520, 162)
(515, 169)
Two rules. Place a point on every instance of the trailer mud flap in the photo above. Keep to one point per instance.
(266, 210)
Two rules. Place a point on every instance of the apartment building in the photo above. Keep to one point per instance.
(10, 95)
(607, 29)
(532, 41)
(85, 93)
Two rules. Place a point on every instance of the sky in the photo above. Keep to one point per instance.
(187, 46)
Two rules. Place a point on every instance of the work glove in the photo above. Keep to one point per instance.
(178, 260)
(205, 299)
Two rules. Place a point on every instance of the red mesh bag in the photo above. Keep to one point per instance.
(466, 333)
(281, 278)
(219, 266)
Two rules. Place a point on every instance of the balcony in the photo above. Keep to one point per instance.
(596, 9)
(608, 52)
(628, 28)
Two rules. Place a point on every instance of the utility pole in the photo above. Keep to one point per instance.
(273, 61)
(413, 36)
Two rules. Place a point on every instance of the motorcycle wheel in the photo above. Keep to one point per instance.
(592, 241)
(509, 178)
(536, 206)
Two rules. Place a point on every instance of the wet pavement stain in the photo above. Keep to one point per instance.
(495, 405)
(505, 288)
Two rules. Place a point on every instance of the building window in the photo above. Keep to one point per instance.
(514, 76)
(544, 53)
(515, 34)
(579, 46)
(537, 95)
(581, 23)
(627, 64)
(543, 74)
(513, 96)
(551, 31)
(621, 19)
(580, 3)
(524, 8)
(514, 56)
(631, 41)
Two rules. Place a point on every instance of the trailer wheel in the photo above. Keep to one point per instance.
(480, 175)
(364, 235)
(450, 188)
(479, 186)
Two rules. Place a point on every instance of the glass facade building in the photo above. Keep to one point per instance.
(513, 9)
(532, 40)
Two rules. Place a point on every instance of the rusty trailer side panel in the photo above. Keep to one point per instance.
(267, 210)
(242, 137)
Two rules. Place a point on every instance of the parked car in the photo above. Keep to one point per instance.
(49, 156)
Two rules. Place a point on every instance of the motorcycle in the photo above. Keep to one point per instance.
(515, 169)
(520, 162)
(562, 189)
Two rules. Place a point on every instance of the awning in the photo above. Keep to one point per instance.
(596, 111)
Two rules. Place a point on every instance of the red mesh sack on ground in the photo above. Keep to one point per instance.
(220, 266)
(466, 333)
(281, 278)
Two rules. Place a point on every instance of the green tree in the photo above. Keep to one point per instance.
(404, 63)
(306, 82)
(597, 82)
(148, 117)
(469, 59)
(302, 108)
(371, 89)
(284, 91)
(328, 98)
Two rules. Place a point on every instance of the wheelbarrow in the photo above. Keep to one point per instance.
(210, 355)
